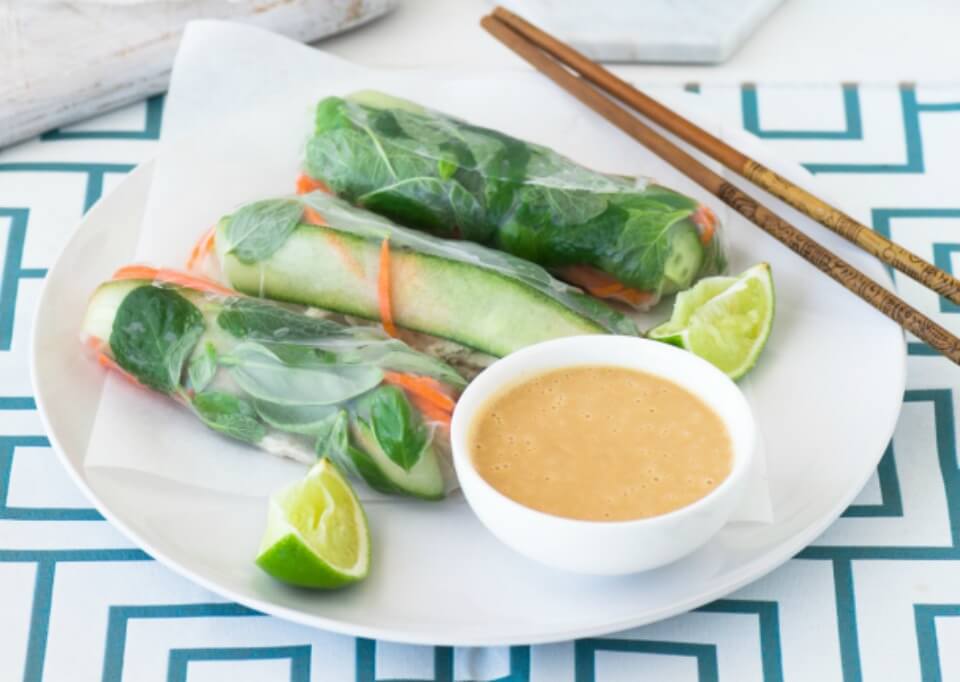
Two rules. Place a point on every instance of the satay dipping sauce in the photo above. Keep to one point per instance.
(600, 443)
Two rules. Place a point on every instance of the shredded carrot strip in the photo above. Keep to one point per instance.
(383, 290)
(600, 284)
(311, 217)
(432, 413)
(346, 255)
(202, 248)
(634, 297)
(106, 361)
(173, 277)
(306, 184)
(427, 388)
(607, 290)
(706, 220)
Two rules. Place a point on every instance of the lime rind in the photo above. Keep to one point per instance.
(724, 320)
(317, 534)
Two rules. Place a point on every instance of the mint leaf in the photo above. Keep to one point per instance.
(154, 331)
(230, 415)
(399, 430)
(203, 367)
(257, 230)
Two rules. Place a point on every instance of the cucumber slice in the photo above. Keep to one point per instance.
(685, 259)
(475, 306)
(102, 309)
(423, 480)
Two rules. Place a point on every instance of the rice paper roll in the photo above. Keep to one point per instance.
(618, 237)
(280, 378)
(318, 250)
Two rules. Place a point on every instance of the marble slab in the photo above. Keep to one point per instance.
(677, 31)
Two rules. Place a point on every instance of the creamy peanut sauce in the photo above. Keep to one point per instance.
(600, 444)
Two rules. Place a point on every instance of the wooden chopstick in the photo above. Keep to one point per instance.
(829, 216)
(870, 291)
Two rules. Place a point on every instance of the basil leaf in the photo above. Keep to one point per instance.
(154, 331)
(203, 367)
(399, 430)
(258, 230)
(230, 415)
(310, 420)
(403, 359)
(334, 443)
(265, 376)
(248, 318)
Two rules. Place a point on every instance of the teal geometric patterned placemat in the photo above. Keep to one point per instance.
(877, 597)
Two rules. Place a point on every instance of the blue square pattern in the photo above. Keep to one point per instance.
(522, 664)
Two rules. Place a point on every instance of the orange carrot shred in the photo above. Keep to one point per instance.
(427, 388)
(173, 277)
(311, 217)
(383, 290)
(432, 413)
(106, 361)
(202, 248)
(306, 184)
(346, 255)
(706, 220)
(602, 285)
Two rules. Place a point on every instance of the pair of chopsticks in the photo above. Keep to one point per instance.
(588, 81)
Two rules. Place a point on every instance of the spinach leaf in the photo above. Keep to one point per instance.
(230, 415)
(644, 245)
(257, 230)
(265, 376)
(203, 367)
(399, 430)
(255, 320)
(154, 331)
(349, 160)
(562, 206)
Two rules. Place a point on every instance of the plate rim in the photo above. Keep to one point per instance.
(747, 573)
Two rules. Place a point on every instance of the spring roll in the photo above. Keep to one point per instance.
(618, 237)
(291, 383)
(318, 250)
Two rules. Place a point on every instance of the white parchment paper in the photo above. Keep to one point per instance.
(237, 115)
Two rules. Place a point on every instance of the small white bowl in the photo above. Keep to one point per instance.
(606, 547)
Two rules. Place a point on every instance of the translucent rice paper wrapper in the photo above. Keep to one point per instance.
(292, 382)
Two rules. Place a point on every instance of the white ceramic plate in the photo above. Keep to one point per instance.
(826, 394)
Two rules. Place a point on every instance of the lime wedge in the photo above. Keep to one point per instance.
(724, 320)
(317, 533)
